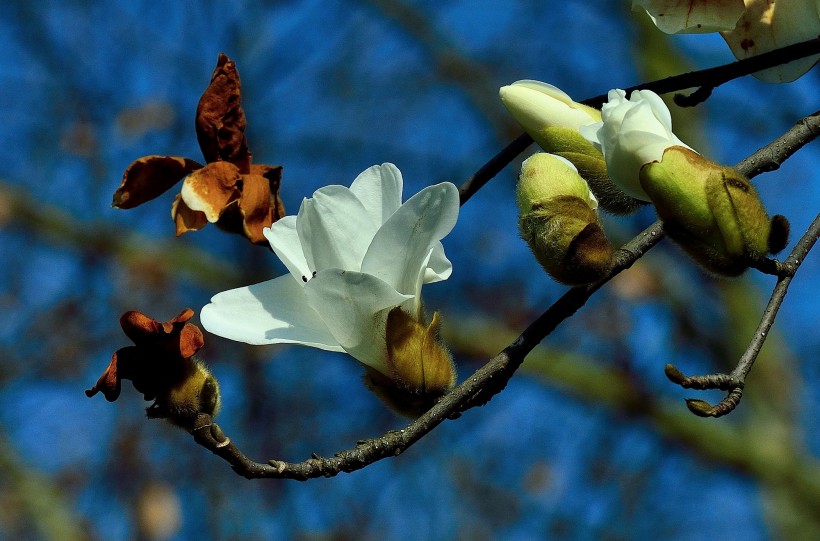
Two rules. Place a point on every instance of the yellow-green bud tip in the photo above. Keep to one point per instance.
(712, 212)
(544, 176)
(559, 221)
(422, 369)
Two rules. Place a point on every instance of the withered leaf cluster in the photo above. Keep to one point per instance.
(160, 356)
(229, 190)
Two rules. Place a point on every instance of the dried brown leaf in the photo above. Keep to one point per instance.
(149, 177)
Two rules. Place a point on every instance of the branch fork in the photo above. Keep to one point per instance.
(723, 382)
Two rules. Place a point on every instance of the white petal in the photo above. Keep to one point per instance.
(535, 110)
(413, 305)
(284, 240)
(273, 312)
(379, 189)
(334, 229)
(692, 16)
(656, 104)
(594, 115)
(353, 306)
(403, 242)
(439, 267)
(768, 25)
(545, 88)
(593, 133)
(634, 133)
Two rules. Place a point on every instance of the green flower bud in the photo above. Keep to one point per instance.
(422, 369)
(712, 211)
(591, 165)
(559, 221)
(553, 120)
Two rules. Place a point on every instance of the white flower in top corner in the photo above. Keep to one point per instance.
(353, 254)
(632, 133)
(692, 16)
(770, 24)
(750, 27)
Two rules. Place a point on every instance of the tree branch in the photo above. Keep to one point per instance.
(735, 381)
(491, 378)
(766, 159)
(770, 157)
(711, 77)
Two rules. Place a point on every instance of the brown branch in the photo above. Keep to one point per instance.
(764, 160)
(491, 378)
(477, 390)
(715, 77)
(770, 157)
(735, 381)
(711, 77)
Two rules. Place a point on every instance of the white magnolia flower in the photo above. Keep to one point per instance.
(633, 133)
(692, 16)
(353, 255)
(750, 27)
(770, 24)
(536, 105)
(553, 120)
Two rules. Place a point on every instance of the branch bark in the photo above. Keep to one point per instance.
(491, 378)
(736, 380)
(710, 77)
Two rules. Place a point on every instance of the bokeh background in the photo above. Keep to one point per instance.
(589, 440)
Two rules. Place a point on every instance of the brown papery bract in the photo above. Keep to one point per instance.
(237, 195)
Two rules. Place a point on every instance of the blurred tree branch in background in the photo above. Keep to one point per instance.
(762, 441)
(30, 497)
(128, 249)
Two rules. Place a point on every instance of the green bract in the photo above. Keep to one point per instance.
(559, 221)
(553, 120)
(712, 211)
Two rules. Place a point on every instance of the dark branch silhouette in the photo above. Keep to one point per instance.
(735, 381)
(711, 77)
(492, 377)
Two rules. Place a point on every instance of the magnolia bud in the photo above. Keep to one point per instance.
(188, 392)
(559, 221)
(712, 211)
(162, 366)
(590, 164)
(422, 369)
(553, 120)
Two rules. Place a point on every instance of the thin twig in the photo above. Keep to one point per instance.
(770, 157)
(711, 77)
(735, 381)
(488, 380)
(490, 169)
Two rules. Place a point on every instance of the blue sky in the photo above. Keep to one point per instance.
(331, 88)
